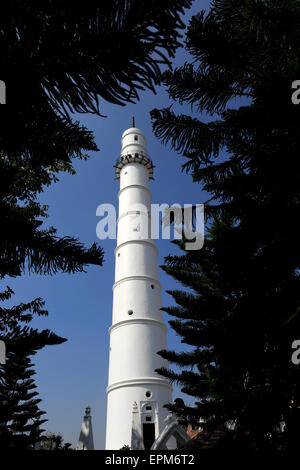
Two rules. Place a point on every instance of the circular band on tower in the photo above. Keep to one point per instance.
(137, 278)
(147, 242)
(142, 320)
(139, 381)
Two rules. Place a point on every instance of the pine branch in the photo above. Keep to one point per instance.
(187, 135)
(138, 37)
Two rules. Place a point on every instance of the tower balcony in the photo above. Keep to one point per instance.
(136, 157)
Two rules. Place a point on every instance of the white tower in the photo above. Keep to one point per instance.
(135, 393)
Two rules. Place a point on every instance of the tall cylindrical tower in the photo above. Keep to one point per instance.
(135, 393)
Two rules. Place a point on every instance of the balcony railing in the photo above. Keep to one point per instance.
(137, 157)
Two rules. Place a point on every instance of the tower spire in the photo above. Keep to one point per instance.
(133, 122)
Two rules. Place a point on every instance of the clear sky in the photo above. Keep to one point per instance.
(74, 374)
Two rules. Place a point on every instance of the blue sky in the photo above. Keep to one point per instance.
(74, 374)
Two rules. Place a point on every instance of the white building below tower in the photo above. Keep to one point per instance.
(135, 393)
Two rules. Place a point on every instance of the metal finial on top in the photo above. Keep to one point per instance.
(133, 122)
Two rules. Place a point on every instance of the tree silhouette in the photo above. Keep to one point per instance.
(239, 311)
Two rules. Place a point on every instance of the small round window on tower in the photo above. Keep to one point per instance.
(148, 394)
(152, 286)
(130, 312)
(136, 137)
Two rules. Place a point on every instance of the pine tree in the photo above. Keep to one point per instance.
(72, 54)
(51, 441)
(240, 311)
(20, 416)
(68, 57)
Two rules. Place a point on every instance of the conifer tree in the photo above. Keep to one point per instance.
(240, 309)
(57, 58)
(20, 415)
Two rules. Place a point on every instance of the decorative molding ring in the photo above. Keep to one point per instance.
(143, 321)
(137, 278)
(139, 381)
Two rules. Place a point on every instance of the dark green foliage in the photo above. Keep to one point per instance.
(125, 447)
(22, 240)
(51, 441)
(59, 57)
(241, 313)
(20, 416)
(74, 53)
